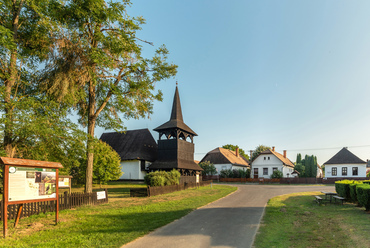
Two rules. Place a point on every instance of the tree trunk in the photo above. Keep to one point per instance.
(90, 138)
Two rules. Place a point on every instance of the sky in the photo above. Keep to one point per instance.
(290, 74)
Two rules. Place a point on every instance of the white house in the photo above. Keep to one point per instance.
(345, 164)
(225, 159)
(268, 161)
(137, 149)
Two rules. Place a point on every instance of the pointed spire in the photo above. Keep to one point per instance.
(176, 113)
(176, 120)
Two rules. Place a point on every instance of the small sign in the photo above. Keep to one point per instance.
(63, 182)
(197, 178)
(100, 195)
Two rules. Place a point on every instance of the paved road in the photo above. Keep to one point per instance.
(229, 222)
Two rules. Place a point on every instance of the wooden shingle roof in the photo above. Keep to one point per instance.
(225, 156)
(176, 120)
(132, 144)
(345, 157)
(285, 161)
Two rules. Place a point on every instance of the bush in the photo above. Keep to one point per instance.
(208, 168)
(277, 174)
(162, 178)
(235, 173)
(363, 195)
(342, 188)
(352, 191)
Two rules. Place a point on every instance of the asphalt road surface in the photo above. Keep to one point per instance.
(232, 221)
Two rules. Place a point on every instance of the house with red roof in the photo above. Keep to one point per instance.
(225, 159)
(268, 161)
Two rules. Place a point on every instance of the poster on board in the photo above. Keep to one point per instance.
(63, 182)
(26, 183)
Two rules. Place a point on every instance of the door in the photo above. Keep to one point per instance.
(255, 172)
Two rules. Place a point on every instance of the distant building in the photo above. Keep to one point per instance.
(345, 164)
(137, 149)
(268, 161)
(225, 159)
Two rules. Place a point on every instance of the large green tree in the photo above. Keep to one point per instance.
(25, 41)
(258, 150)
(98, 64)
(233, 148)
(32, 124)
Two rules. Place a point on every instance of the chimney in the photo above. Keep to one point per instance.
(237, 152)
(284, 153)
(273, 148)
(251, 152)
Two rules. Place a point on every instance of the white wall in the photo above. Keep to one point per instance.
(269, 161)
(220, 167)
(361, 170)
(132, 170)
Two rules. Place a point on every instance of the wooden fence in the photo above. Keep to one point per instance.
(159, 190)
(66, 201)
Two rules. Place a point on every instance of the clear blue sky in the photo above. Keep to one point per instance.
(290, 74)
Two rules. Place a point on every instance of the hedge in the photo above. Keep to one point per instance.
(352, 190)
(342, 188)
(363, 195)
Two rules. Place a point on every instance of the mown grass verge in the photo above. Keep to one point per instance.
(109, 225)
(296, 220)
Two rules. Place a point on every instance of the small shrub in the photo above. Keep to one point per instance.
(363, 195)
(277, 174)
(162, 178)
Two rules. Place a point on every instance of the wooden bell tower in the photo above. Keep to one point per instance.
(176, 144)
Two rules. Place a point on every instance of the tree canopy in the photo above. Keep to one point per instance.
(258, 150)
(98, 65)
(233, 148)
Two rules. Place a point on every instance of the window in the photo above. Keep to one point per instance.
(265, 171)
(268, 158)
(264, 158)
(344, 171)
(142, 165)
(274, 169)
(355, 171)
(334, 171)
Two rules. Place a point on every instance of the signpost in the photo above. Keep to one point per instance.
(28, 181)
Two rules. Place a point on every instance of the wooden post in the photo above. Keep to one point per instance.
(20, 207)
(5, 199)
(106, 195)
(57, 196)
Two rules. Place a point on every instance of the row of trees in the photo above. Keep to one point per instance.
(80, 57)
(306, 167)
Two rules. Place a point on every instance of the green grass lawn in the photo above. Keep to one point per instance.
(120, 221)
(296, 220)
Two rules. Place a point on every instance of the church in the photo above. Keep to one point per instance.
(140, 153)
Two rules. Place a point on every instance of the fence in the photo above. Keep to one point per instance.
(66, 201)
(159, 190)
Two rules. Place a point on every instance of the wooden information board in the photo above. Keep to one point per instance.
(28, 181)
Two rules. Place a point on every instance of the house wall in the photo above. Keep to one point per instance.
(269, 161)
(220, 167)
(132, 170)
(361, 170)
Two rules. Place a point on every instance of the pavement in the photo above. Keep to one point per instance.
(232, 221)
